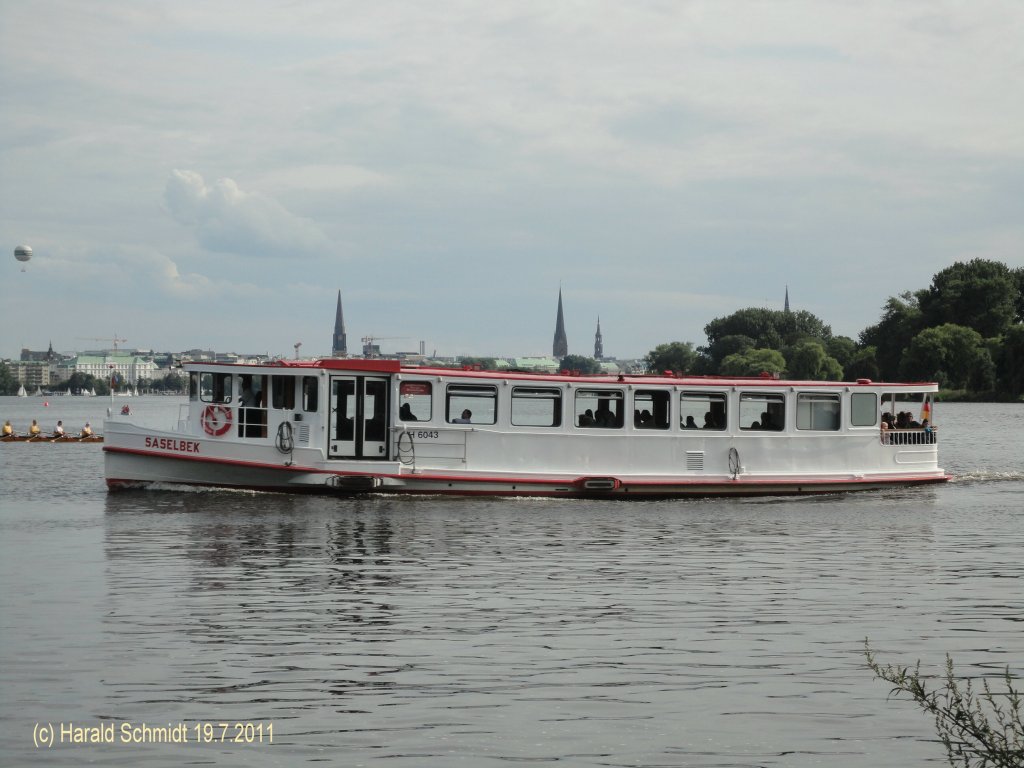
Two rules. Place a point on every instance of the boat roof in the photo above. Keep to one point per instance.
(666, 378)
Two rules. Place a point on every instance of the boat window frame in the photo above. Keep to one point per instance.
(666, 406)
(310, 394)
(217, 379)
(475, 392)
(874, 410)
(409, 399)
(616, 395)
(282, 396)
(812, 397)
(707, 396)
(767, 398)
(552, 394)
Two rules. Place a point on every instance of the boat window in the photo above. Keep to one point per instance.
(345, 416)
(864, 409)
(471, 404)
(215, 387)
(817, 411)
(193, 385)
(310, 394)
(762, 411)
(602, 408)
(536, 407)
(282, 391)
(702, 410)
(417, 401)
(650, 409)
(252, 415)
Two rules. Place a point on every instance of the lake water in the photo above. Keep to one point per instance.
(442, 632)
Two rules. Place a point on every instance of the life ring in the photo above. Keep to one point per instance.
(216, 420)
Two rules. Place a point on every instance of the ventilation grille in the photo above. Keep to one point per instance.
(304, 434)
(695, 461)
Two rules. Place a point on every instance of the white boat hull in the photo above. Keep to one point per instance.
(168, 459)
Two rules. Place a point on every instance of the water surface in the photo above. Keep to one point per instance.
(439, 632)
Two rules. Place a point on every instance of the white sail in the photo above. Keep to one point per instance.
(22, 392)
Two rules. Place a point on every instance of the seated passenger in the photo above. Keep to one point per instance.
(405, 413)
(465, 418)
(587, 418)
(690, 423)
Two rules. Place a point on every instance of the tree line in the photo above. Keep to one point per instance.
(79, 382)
(965, 331)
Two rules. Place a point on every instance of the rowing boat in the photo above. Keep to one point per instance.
(51, 439)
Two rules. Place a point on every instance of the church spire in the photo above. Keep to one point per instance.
(786, 308)
(560, 348)
(339, 347)
(598, 342)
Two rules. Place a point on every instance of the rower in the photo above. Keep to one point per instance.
(86, 430)
(8, 429)
(58, 431)
(34, 429)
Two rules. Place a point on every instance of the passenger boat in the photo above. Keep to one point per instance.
(376, 426)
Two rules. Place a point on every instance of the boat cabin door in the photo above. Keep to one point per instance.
(359, 417)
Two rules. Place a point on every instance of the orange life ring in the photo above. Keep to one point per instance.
(216, 420)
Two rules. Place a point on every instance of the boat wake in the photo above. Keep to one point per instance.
(985, 476)
(196, 489)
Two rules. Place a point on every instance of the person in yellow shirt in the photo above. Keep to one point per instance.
(8, 429)
(34, 429)
(86, 430)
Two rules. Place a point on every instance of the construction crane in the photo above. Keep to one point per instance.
(115, 340)
(370, 349)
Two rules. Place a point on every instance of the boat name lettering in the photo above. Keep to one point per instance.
(169, 444)
(421, 435)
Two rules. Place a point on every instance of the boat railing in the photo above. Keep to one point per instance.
(913, 436)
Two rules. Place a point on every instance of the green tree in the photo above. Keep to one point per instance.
(1018, 277)
(580, 364)
(754, 362)
(953, 355)
(1011, 361)
(980, 294)
(863, 365)
(768, 329)
(677, 356)
(808, 360)
(483, 363)
(8, 383)
(901, 321)
(842, 348)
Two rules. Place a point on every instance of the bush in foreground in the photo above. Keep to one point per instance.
(978, 729)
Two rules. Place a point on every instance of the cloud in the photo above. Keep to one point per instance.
(229, 220)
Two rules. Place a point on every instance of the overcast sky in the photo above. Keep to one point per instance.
(210, 174)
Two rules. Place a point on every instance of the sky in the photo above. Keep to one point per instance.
(212, 174)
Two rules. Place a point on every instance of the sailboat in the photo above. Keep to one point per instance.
(22, 392)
